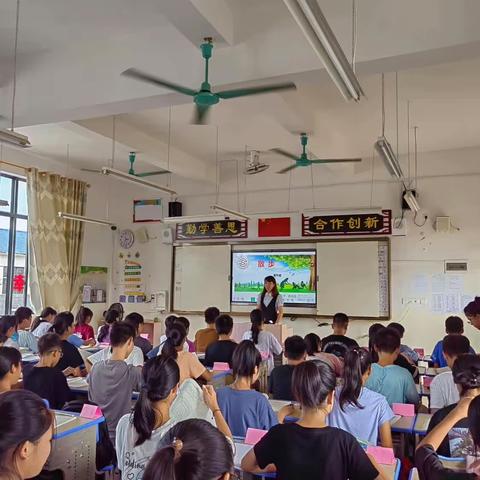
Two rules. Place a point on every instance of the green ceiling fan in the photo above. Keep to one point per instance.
(304, 161)
(205, 98)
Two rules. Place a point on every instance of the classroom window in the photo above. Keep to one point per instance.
(14, 290)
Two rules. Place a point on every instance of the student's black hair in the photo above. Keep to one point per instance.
(245, 358)
(22, 313)
(466, 372)
(184, 321)
(211, 313)
(340, 319)
(169, 321)
(120, 333)
(454, 324)
(63, 321)
(46, 312)
(49, 342)
(400, 329)
(275, 292)
(224, 324)
(83, 314)
(24, 418)
(256, 317)
(357, 361)
(9, 357)
(118, 307)
(472, 308)
(372, 332)
(455, 345)
(474, 420)
(6, 323)
(313, 343)
(135, 320)
(111, 317)
(159, 377)
(387, 340)
(182, 456)
(312, 382)
(176, 336)
(295, 347)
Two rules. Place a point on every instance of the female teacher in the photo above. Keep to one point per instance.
(472, 312)
(270, 302)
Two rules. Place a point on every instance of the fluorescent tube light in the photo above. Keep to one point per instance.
(133, 179)
(411, 201)
(209, 217)
(315, 27)
(14, 138)
(385, 150)
(80, 218)
(233, 213)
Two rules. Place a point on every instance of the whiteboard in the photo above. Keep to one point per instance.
(353, 277)
(202, 278)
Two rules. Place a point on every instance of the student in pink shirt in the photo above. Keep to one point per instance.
(82, 324)
(314, 351)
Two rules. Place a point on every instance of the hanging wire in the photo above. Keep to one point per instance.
(15, 65)
(396, 107)
(289, 189)
(245, 181)
(354, 34)
(313, 191)
(217, 192)
(383, 104)
(169, 181)
(408, 144)
(238, 185)
(372, 177)
(416, 152)
(112, 163)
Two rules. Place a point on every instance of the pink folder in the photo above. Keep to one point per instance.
(420, 351)
(382, 455)
(254, 435)
(90, 411)
(146, 336)
(404, 409)
(221, 367)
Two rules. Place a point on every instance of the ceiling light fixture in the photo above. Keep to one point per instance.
(316, 29)
(14, 138)
(385, 150)
(139, 181)
(411, 200)
(231, 213)
(80, 218)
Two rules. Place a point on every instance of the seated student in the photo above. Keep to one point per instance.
(222, 349)
(188, 343)
(8, 328)
(44, 379)
(205, 336)
(71, 361)
(309, 448)
(358, 410)
(41, 324)
(181, 454)
(29, 423)
(82, 324)
(10, 368)
(160, 406)
(404, 349)
(189, 364)
(443, 391)
(453, 326)
(111, 317)
(25, 338)
(135, 320)
(241, 406)
(169, 321)
(429, 465)
(466, 375)
(339, 343)
(112, 382)
(386, 378)
(314, 351)
(265, 342)
(280, 381)
(472, 312)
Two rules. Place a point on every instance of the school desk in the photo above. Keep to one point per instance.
(74, 446)
(79, 386)
(29, 357)
(422, 421)
(401, 424)
(432, 372)
(277, 405)
(221, 379)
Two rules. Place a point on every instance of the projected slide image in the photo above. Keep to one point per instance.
(294, 272)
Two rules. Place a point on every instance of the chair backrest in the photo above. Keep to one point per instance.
(413, 474)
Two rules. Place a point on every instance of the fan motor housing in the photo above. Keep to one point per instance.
(206, 99)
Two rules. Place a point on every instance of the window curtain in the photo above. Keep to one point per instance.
(55, 245)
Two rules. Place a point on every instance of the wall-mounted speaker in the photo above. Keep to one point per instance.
(175, 209)
(167, 236)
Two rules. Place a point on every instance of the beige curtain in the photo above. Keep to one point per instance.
(55, 245)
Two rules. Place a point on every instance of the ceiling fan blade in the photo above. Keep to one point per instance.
(243, 92)
(200, 116)
(149, 174)
(146, 77)
(336, 160)
(287, 169)
(283, 152)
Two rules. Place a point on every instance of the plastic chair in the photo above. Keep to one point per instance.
(413, 475)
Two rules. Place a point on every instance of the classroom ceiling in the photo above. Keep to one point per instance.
(71, 55)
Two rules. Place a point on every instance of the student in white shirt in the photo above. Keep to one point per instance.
(25, 338)
(135, 358)
(42, 324)
(443, 391)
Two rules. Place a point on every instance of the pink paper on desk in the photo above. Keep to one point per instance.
(382, 455)
(404, 409)
(265, 355)
(254, 435)
(427, 381)
(146, 336)
(90, 411)
(420, 351)
(220, 367)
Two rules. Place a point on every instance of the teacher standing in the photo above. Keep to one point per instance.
(270, 302)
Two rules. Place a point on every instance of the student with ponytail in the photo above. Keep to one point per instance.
(10, 368)
(358, 410)
(182, 454)
(265, 342)
(188, 363)
(111, 317)
(27, 426)
(41, 325)
(82, 324)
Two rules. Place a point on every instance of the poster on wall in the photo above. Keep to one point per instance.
(294, 271)
(133, 287)
(147, 211)
(209, 230)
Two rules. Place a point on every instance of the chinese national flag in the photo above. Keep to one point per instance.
(274, 227)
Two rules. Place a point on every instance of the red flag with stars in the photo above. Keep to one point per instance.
(274, 227)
